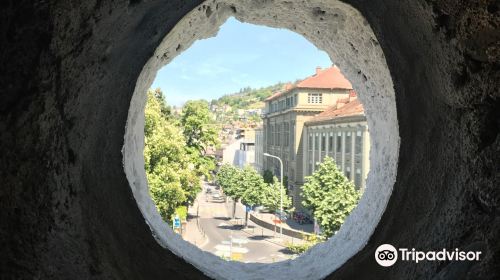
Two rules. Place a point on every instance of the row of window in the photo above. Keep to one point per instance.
(280, 134)
(321, 144)
(330, 139)
(291, 101)
(283, 104)
(314, 98)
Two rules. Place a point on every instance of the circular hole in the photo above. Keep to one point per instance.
(352, 45)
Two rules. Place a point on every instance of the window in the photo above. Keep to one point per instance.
(292, 140)
(286, 134)
(348, 142)
(314, 98)
(359, 143)
(330, 143)
(295, 100)
(270, 139)
(316, 140)
(339, 142)
(348, 172)
(310, 168)
(323, 142)
(310, 142)
(278, 132)
(357, 178)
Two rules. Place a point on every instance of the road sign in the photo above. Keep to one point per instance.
(177, 222)
(248, 208)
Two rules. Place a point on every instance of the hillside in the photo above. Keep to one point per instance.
(247, 98)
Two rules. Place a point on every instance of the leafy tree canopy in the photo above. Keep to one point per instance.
(330, 195)
(198, 126)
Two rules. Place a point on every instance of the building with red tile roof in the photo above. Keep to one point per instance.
(330, 78)
(316, 117)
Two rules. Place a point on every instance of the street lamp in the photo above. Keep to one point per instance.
(281, 189)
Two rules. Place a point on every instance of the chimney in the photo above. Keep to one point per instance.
(318, 70)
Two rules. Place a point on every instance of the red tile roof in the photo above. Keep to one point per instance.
(329, 78)
(351, 108)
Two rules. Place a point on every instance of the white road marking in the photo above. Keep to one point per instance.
(226, 248)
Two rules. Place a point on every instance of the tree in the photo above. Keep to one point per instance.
(172, 180)
(229, 178)
(272, 196)
(330, 195)
(268, 176)
(198, 129)
(254, 189)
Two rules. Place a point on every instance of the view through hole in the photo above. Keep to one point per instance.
(342, 33)
(234, 133)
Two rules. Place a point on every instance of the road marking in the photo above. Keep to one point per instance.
(226, 248)
(240, 241)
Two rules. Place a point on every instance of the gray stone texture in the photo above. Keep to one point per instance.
(68, 72)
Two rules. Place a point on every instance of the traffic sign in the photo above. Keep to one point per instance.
(177, 222)
(248, 208)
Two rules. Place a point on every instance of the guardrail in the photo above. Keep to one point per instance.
(286, 231)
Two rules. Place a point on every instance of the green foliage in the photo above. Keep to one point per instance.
(268, 176)
(310, 241)
(253, 187)
(182, 212)
(249, 186)
(330, 195)
(171, 178)
(247, 98)
(198, 127)
(228, 179)
(272, 196)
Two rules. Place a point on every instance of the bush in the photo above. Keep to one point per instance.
(181, 211)
(310, 239)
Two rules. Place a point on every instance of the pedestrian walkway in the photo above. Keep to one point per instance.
(256, 232)
(194, 233)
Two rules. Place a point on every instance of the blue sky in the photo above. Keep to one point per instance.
(240, 55)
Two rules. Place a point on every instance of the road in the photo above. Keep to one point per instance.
(214, 219)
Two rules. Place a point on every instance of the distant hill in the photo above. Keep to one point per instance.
(247, 98)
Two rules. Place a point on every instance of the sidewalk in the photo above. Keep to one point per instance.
(260, 233)
(289, 224)
(194, 233)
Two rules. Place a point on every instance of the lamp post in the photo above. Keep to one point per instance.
(281, 189)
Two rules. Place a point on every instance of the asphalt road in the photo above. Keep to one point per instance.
(214, 219)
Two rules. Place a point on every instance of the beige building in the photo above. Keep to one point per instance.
(291, 113)
(340, 132)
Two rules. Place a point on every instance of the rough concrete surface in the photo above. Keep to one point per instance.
(68, 76)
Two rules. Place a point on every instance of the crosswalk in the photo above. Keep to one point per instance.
(231, 249)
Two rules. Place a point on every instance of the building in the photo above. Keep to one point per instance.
(297, 108)
(340, 132)
(259, 150)
(241, 149)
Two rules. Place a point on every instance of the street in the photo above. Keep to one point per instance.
(214, 220)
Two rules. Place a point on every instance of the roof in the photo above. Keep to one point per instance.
(351, 108)
(329, 78)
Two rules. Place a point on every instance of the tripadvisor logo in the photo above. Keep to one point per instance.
(387, 255)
